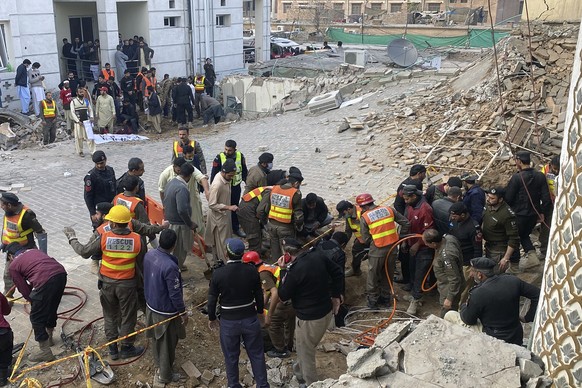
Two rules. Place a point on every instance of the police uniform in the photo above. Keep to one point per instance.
(448, 269)
(100, 186)
(499, 231)
(247, 216)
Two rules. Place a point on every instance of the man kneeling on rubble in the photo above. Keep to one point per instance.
(493, 305)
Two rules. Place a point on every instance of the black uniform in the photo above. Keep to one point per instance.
(495, 302)
(100, 186)
(183, 98)
(399, 204)
(121, 186)
(470, 238)
(128, 88)
(335, 253)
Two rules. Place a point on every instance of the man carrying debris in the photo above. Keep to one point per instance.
(378, 228)
(529, 197)
(164, 300)
(238, 287)
(308, 280)
(352, 214)
(48, 115)
(448, 268)
(493, 305)
(19, 225)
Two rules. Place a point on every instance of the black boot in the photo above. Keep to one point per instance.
(113, 352)
(3, 377)
(128, 351)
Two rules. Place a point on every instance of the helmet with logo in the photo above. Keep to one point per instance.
(364, 199)
(118, 214)
(252, 257)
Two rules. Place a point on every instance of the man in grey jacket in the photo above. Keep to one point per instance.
(178, 211)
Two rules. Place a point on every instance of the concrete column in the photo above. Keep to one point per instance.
(108, 31)
(263, 30)
(556, 332)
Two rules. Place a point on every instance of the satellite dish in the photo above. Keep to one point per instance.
(402, 52)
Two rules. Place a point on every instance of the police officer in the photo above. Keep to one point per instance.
(100, 185)
(283, 210)
(448, 267)
(352, 215)
(378, 228)
(19, 224)
(230, 152)
(500, 230)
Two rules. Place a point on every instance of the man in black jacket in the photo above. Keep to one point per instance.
(241, 313)
(100, 185)
(313, 283)
(21, 82)
(183, 99)
(315, 213)
(528, 196)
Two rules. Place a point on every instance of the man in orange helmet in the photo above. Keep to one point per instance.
(378, 228)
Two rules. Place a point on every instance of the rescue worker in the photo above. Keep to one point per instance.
(352, 214)
(120, 249)
(48, 115)
(378, 229)
(247, 216)
(283, 210)
(238, 287)
(100, 184)
(230, 152)
(107, 72)
(500, 231)
(280, 316)
(183, 140)
(494, 304)
(131, 201)
(19, 225)
(419, 213)
(474, 197)
(551, 171)
(199, 87)
(135, 167)
(41, 280)
(257, 176)
(448, 268)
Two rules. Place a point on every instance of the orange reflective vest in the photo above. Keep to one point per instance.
(147, 82)
(13, 231)
(282, 204)
(119, 253)
(275, 270)
(354, 224)
(256, 193)
(179, 151)
(551, 179)
(48, 110)
(380, 221)
(105, 227)
(137, 82)
(107, 73)
(199, 84)
(128, 202)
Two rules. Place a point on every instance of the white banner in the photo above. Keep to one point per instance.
(89, 129)
(109, 137)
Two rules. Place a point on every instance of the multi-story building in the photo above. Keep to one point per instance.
(182, 33)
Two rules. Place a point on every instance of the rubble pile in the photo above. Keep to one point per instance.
(437, 353)
(18, 131)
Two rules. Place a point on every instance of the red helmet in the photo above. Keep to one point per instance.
(252, 257)
(364, 199)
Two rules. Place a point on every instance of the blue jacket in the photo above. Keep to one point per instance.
(163, 283)
(21, 78)
(475, 201)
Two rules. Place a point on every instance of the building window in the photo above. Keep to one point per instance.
(452, 1)
(172, 4)
(3, 47)
(223, 3)
(286, 7)
(338, 6)
(464, 1)
(395, 7)
(434, 7)
(356, 9)
(376, 6)
(171, 21)
(222, 20)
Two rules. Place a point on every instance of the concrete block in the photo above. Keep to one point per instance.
(348, 89)
(191, 369)
(207, 377)
(392, 356)
(385, 80)
(528, 369)
(448, 71)
(399, 379)
(403, 75)
(325, 102)
(274, 377)
(365, 363)
(351, 381)
(329, 347)
(520, 351)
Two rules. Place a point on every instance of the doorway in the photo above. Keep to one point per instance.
(81, 27)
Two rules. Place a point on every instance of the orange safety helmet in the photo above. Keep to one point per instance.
(364, 199)
(252, 257)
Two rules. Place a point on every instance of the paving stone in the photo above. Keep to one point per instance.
(191, 369)
(394, 332)
(365, 363)
(207, 377)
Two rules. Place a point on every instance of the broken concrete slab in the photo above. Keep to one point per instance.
(500, 379)
(394, 332)
(191, 370)
(365, 363)
(399, 379)
(351, 381)
(327, 383)
(392, 356)
(529, 369)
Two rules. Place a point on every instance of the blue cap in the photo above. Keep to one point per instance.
(235, 247)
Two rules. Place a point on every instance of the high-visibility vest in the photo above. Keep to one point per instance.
(275, 270)
(145, 89)
(551, 179)
(105, 227)
(107, 73)
(199, 83)
(380, 221)
(282, 204)
(128, 202)
(355, 224)
(13, 231)
(48, 110)
(179, 151)
(119, 253)
(238, 162)
(256, 193)
(138, 76)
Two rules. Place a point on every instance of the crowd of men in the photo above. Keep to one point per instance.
(280, 281)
